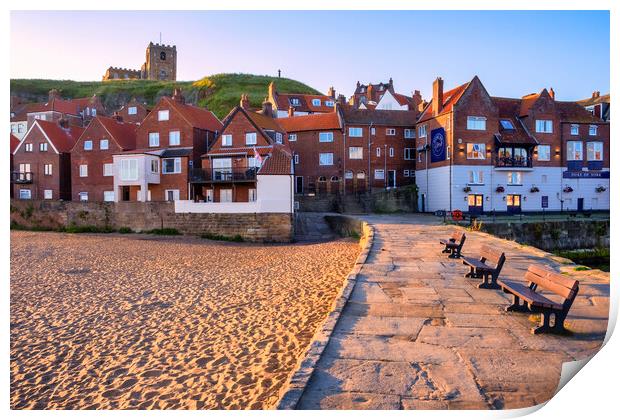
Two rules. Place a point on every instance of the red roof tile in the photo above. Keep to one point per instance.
(123, 133)
(14, 142)
(198, 117)
(305, 102)
(63, 139)
(278, 162)
(574, 112)
(450, 98)
(325, 121)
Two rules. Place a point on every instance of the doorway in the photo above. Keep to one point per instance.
(475, 203)
(580, 204)
(391, 179)
(513, 203)
(299, 185)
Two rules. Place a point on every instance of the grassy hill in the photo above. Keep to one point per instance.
(219, 92)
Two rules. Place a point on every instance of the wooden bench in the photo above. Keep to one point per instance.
(562, 287)
(487, 267)
(454, 244)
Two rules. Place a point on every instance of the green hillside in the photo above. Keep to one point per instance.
(219, 92)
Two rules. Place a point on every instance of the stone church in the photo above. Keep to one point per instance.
(160, 64)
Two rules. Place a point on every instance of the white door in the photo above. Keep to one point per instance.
(226, 196)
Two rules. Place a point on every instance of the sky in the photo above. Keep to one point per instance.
(513, 52)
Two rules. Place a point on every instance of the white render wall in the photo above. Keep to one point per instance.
(388, 101)
(439, 182)
(274, 194)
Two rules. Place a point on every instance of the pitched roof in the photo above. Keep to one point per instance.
(283, 101)
(378, 117)
(574, 112)
(14, 142)
(123, 133)
(263, 121)
(595, 99)
(63, 139)
(325, 121)
(450, 98)
(198, 117)
(403, 99)
(278, 162)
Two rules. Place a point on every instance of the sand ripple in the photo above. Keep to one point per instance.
(135, 322)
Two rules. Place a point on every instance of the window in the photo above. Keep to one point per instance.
(83, 196)
(373, 131)
(279, 138)
(409, 133)
(355, 132)
(252, 195)
(250, 138)
(43, 147)
(296, 159)
(476, 123)
(361, 175)
(13, 127)
(252, 162)
(574, 129)
(163, 115)
(226, 196)
(129, 169)
(574, 150)
(326, 159)
(153, 139)
(294, 101)
(409, 153)
(476, 178)
(104, 144)
(507, 124)
(476, 151)
(544, 126)
(356, 153)
(378, 152)
(21, 128)
(593, 129)
(83, 171)
(174, 138)
(172, 195)
(544, 152)
(29, 147)
(171, 166)
(88, 111)
(390, 131)
(226, 139)
(108, 169)
(406, 173)
(47, 194)
(292, 137)
(94, 112)
(326, 137)
(595, 150)
(108, 196)
(316, 102)
(391, 152)
(88, 145)
(25, 194)
(348, 174)
(514, 178)
(154, 166)
(422, 131)
(47, 169)
(334, 179)
(329, 103)
(132, 110)
(379, 174)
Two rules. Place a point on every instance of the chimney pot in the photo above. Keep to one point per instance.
(552, 93)
(437, 96)
(291, 111)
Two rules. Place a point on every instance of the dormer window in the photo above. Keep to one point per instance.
(507, 124)
(329, 103)
(295, 101)
(163, 115)
(132, 110)
(316, 102)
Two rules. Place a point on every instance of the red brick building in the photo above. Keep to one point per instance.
(42, 161)
(169, 143)
(335, 153)
(133, 111)
(230, 167)
(92, 163)
(13, 142)
(383, 96)
(289, 104)
(599, 105)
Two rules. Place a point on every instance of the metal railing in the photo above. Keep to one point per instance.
(21, 177)
(200, 175)
(510, 162)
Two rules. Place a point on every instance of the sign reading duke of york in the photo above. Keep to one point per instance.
(438, 145)
(589, 174)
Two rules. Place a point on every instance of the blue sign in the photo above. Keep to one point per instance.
(438, 145)
(583, 174)
(545, 201)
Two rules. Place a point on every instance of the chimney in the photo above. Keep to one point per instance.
(370, 92)
(177, 95)
(596, 94)
(272, 90)
(391, 83)
(417, 99)
(53, 94)
(63, 122)
(437, 96)
(341, 99)
(244, 102)
(267, 108)
(331, 92)
(291, 111)
(357, 86)
(552, 93)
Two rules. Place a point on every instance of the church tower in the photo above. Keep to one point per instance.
(161, 62)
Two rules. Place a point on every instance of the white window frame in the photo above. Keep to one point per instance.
(106, 196)
(176, 194)
(326, 162)
(83, 171)
(252, 195)
(154, 166)
(278, 138)
(591, 151)
(478, 151)
(356, 132)
(593, 130)
(129, 170)
(163, 115)
(356, 152)
(250, 138)
(174, 138)
(326, 137)
(574, 129)
(88, 145)
(154, 139)
(43, 147)
(24, 196)
(544, 126)
(475, 177)
(132, 110)
(391, 152)
(476, 123)
(228, 194)
(83, 196)
(226, 140)
(316, 102)
(574, 150)
(177, 166)
(29, 147)
(292, 137)
(422, 131)
(390, 131)
(103, 142)
(514, 178)
(409, 133)
(379, 174)
(545, 156)
(108, 169)
(296, 159)
(348, 174)
(48, 194)
(47, 169)
(378, 152)
(406, 173)
(409, 153)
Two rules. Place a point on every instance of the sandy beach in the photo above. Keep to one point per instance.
(137, 322)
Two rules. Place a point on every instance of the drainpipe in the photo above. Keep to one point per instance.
(369, 154)
(385, 174)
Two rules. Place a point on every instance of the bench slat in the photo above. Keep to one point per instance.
(476, 263)
(528, 295)
(550, 281)
(558, 278)
(491, 254)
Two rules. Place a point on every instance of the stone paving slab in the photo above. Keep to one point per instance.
(416, 334)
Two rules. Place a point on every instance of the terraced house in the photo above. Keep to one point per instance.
(479, 153)
(42, 161)
(169, 143)
(290, 104)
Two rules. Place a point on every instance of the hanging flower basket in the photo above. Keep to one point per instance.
(467, 189)
(499, 189)
(534, 190)
(568, 189)
(600, 189)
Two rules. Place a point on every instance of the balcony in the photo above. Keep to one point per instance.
(222, 175)
(513, 163)
(21, 177)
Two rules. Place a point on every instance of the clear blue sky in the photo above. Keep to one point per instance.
(514, 53)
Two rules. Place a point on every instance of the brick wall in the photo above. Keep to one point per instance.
(266, 227)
